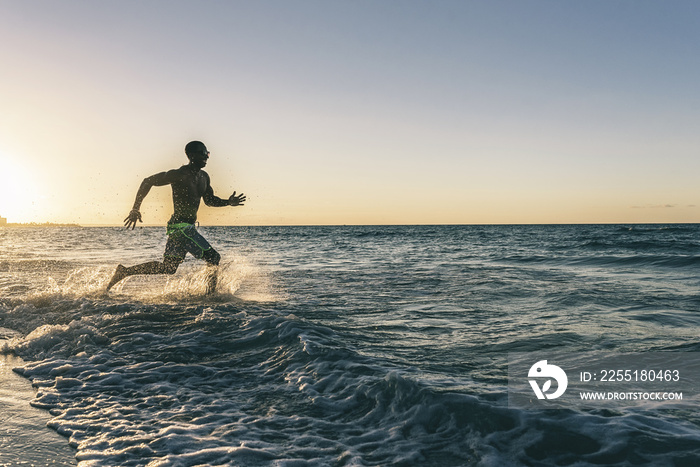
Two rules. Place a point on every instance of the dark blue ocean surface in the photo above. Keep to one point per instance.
(347, 345)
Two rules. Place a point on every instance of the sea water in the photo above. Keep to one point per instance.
(347, 345)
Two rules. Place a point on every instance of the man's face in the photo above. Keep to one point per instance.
(199, 158)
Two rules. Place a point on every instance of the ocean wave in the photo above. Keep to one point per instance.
(160, 384)
(656, 228)
(666, 261)
(195, 389)
(609, 260)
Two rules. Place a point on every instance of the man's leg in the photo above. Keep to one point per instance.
(212, 257)
(188, 239)
(168, 266)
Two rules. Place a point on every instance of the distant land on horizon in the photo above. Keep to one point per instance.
(36, 224)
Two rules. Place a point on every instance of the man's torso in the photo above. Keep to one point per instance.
(187, 194)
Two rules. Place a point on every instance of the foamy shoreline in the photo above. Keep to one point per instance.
(24, 437)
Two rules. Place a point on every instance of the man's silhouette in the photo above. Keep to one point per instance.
(190, 184)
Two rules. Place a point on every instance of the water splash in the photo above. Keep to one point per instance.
(237, 277)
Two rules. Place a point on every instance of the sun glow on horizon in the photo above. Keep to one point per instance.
(21, 197)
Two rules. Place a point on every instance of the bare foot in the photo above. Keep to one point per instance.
(119, 274)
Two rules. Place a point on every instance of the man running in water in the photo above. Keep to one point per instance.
(190, 184)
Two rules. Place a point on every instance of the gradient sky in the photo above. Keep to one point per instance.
(354, 112)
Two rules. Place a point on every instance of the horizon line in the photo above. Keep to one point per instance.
(67, 224)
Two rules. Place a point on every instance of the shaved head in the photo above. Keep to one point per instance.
(195, 147)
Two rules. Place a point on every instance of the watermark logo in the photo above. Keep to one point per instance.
(542, 369)
(560, 380)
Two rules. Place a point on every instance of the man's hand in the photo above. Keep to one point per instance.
(131, 219)
(236, 200)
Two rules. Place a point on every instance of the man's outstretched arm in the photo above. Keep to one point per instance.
(159, 179)
(210, 199)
